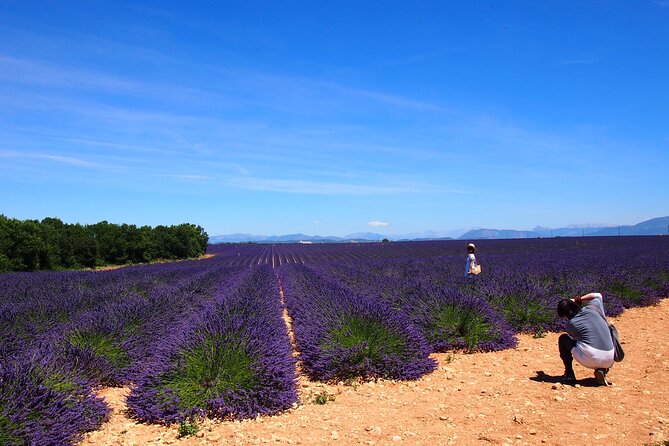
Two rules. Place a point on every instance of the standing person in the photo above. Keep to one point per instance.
(588, 338)
(471, 261)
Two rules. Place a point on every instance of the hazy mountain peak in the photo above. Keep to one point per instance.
(654, 226)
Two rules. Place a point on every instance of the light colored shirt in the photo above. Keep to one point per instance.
(468, 266)
(590, 330)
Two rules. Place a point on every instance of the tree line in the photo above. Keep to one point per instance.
(50, 244)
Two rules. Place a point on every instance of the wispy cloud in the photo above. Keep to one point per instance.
(378, 224)
(39, 73)
(299, 94)
(103, 114)
(389, 99)
(114, 145)
(79, 162)
(313, 187)
(589, 61)
(190, 177)
(44, 75)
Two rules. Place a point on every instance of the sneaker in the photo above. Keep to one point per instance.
(600, 375)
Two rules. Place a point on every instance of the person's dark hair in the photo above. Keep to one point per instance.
(567, 308)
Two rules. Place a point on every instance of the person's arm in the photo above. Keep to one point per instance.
(586, 297)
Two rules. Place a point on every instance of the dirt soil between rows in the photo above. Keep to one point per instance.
(483, 398)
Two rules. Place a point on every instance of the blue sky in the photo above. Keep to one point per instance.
(335, 117)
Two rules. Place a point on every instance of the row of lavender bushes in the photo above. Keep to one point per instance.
(448, 318)
(105, 323)
(64, 334)
(342, 335)
(446, 308)
(46, 401)
(231, 360)
(607, 249)
(522, 289)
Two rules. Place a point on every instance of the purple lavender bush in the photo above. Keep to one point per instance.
(231, 360)
(43, 402)
(448, 319)
(451, 321)
(111, 343)
(637, 282)
(344, 335)
(100, 343)
(527, 308)
(98, 328)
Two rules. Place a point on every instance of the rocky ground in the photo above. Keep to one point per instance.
(506, 398)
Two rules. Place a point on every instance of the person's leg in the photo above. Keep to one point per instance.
(565, 344)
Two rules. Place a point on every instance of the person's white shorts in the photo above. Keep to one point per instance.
(592, 358)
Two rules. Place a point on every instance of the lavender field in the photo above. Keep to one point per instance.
(209, 338)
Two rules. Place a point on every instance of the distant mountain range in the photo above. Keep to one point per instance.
(360, 237)
(655, 226)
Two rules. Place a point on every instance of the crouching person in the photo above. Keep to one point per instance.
(588, 338)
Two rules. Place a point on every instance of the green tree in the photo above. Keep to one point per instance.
(83, 250)
(28, 245)
(8, 228)
(165, 242)
(191, 240)
(51, 244)
(111, 244)
(52, 232)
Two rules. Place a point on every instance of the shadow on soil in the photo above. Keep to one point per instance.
(544, 378)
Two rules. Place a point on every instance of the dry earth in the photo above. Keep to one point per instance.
(110, 267)
(484, 398)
